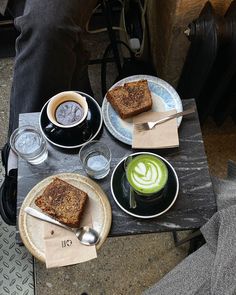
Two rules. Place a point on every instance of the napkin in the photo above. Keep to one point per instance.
(63, 248)
(164, 135)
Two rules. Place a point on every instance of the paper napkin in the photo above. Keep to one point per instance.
(164, 135)
(63, 248)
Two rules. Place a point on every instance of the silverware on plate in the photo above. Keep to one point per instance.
(150, 125)
(85, 234)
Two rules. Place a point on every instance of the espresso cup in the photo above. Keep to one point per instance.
(147, 175)
(66, 110)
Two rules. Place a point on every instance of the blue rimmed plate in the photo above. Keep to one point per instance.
(164, 98)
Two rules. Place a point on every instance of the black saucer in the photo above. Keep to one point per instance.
(77, 136)
(120, 192)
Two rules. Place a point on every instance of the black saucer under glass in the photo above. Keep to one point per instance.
(120, 192)
(77, 136)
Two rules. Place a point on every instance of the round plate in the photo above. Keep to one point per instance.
(120, 192)
(164, 98)
(94, 123)
(100, 208)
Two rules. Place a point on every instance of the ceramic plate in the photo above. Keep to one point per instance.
(164, 98)
(120, 192)
(100, 207)
(79, 136)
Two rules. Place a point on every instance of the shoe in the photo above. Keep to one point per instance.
(8, 190)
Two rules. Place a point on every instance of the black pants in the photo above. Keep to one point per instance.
(50, 56)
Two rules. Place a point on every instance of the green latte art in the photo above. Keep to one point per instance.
(147, 174)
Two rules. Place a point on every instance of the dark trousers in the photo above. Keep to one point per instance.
(50, 56)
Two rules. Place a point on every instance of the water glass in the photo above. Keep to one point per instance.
(28, 143)
(95, 157)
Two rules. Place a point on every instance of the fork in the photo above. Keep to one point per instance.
(150, 125)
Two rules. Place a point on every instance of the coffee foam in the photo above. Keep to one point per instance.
(62, 97)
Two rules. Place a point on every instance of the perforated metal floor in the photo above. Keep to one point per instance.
(16, 263)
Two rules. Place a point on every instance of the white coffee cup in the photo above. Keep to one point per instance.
(62, 97)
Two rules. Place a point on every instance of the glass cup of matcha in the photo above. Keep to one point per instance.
(147, 174)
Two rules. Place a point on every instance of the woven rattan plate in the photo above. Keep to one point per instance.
(31, 229)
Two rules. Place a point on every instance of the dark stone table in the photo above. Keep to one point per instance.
(195, 203)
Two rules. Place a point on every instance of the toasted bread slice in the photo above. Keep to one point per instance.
(63, 201)
(131, 99)
(119, 99)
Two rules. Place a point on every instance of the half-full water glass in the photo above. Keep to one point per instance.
(95, 157)
(28, 143)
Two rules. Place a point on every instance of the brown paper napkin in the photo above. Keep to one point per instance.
(164, 135)
(63, 248)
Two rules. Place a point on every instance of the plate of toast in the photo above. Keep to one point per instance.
(68, 198)
(132, 96)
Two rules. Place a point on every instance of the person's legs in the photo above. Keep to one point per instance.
(47, 53)
(49, 58)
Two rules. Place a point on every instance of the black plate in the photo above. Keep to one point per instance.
(120, 192)
(76, 137)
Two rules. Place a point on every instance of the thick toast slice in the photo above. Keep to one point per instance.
(63, 201)
(131, 99)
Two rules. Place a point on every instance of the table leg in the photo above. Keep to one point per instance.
(192, 235)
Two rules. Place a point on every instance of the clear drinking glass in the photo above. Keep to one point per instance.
(95, 157)
(28, 143)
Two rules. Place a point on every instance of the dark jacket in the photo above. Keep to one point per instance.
(3, 5)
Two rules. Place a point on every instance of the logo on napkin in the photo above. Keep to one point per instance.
(62, 246)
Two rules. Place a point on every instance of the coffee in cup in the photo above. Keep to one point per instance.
(69, 113)
(147, 174)
(67, 109)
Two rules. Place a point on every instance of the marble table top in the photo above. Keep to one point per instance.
(195, 203)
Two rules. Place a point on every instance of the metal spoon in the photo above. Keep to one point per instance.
(85, 234)
(132, 201)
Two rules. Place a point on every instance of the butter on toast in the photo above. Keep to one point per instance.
(63, 201)
(131, 99)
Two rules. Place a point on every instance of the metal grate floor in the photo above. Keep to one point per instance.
(16, 263)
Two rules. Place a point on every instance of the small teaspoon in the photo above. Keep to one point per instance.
(85, 234)
(132, 202)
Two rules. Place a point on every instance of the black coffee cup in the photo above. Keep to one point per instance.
(74, 110)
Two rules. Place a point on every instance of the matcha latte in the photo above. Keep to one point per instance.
(147, 174)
